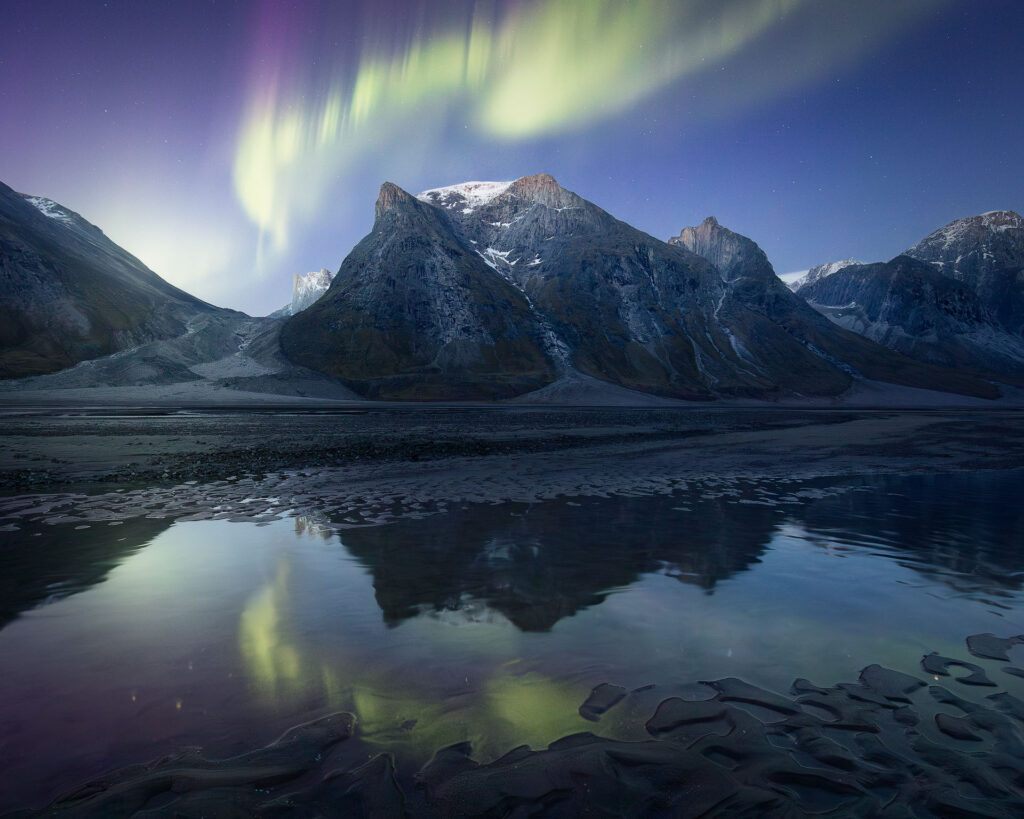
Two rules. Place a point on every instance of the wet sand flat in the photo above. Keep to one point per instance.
(46, 447)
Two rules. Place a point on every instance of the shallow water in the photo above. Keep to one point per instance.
(488, 623)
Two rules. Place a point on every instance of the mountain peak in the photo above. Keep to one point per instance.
(695, 234)
(1007, 215)
(391, 197)
(542, 189)
(971, 228)
(307, 288)
(733, 254)
(538, 181)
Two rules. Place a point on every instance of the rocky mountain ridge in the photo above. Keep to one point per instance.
(909, 306)
(499, 290)
(414, 313)
(752, 279)
(70, 294)
(589, 295)
(986, 252)
(955, 299)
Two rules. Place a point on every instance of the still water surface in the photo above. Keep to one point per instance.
(486, 623)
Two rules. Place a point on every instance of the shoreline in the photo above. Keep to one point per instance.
(377, 466)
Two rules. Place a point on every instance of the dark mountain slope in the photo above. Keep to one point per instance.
(753, 284)
(413, 314)
(68, 293)
(986, 253)
(627, 307)
(485, 290)
(911, 307)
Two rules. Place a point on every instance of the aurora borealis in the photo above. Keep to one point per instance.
(230, 145)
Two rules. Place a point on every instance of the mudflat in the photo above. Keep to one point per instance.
(46, 447)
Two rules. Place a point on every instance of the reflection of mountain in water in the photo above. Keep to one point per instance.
(963, 529)
(63, 560)
(538, 564)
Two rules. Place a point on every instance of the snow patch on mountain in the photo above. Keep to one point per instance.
(466, 196)
(790, 279)
(554, 345)
(994, 221)
(821, 271)
(49, 208)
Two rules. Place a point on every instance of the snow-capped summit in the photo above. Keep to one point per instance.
(821, 271)
(973, 228)
(466, 196)
(308, 288)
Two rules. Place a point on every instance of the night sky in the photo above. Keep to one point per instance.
(232, 144)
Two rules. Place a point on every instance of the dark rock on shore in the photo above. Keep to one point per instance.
(195, 786)
(939, 666)
(601, 699)
(991, 647)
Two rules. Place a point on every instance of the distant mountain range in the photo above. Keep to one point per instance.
(486, 290)
(955, 299)
(821, 271)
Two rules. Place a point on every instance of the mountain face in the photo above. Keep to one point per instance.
(306, 289)
(955, 299)
(415, 314)
(986, 253)
(821, 271)
(69, 294)
(752, 282)
(911, 307)
(488, 289)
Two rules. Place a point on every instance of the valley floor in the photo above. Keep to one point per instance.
(476, 453)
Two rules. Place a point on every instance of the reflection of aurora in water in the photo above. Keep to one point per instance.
(509, 706)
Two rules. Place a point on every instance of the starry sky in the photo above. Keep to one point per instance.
(231, 144)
